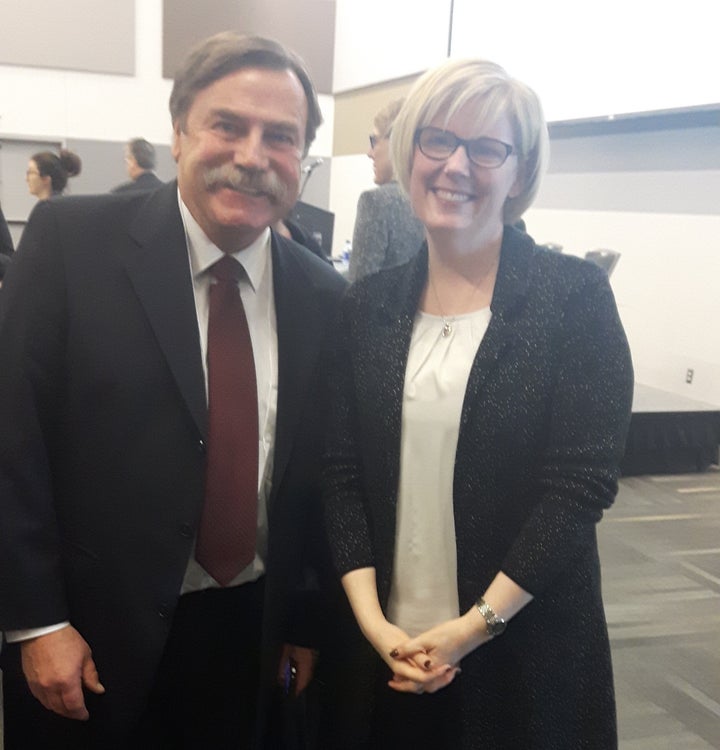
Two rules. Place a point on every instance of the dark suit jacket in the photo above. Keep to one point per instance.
(6, 243)
(145, 181)
(542, 431)
(103, 428)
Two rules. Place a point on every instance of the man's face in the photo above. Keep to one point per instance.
(239, 151)
(131, 166)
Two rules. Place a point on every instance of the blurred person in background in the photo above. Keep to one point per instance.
(386, 233)
(140, 164)
(48, 173)
(6, 243)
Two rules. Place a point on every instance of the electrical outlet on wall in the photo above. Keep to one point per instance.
(689, 374)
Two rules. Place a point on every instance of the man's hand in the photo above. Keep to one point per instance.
(297, 665)
(57, 666)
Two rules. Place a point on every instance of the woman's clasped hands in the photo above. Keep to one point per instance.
(431, 660)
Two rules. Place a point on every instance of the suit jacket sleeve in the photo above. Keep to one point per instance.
(576, 478)
(31, 342)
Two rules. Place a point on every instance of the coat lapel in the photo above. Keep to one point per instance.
(400, 302)
(510, 291)
(160, 273)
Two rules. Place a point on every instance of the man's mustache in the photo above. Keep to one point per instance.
(237, 178)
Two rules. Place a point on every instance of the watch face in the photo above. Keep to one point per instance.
(495, 624)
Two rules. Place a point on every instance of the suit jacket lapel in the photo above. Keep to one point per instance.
(159, 269)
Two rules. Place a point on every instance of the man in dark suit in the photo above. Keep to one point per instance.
(6, 243)
(119, 636)
(140, 163)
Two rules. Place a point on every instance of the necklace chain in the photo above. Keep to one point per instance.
(447, 328)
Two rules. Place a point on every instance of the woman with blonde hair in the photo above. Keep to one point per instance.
(481, 397)
(386, 233)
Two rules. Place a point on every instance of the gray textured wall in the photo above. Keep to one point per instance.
(85, 35)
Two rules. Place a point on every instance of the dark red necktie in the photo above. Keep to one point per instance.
(228, 527)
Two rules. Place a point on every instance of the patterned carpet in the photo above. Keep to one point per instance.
(660, 548)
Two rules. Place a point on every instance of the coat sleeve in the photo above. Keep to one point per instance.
(590, 407)
(346, 517)
(31, 351)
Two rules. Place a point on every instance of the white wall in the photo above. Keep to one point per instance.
(378, 40)
(598, 59)
(666, 284)
(350, 176)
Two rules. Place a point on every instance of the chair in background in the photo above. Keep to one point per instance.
(606, 259)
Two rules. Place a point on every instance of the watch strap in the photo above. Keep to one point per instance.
(495, 624)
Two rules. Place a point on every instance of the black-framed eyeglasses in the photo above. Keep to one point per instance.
(375, 139)
(440, 144)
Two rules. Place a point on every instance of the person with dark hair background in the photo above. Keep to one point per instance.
(140, 162)
(47, 173)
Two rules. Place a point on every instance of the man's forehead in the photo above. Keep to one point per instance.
(272, 95)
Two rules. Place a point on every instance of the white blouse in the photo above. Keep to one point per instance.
(424, 582)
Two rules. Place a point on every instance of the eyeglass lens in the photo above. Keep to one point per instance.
(441, 144)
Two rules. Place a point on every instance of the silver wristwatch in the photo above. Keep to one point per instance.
(495, 625)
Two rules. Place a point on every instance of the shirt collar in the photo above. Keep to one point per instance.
(203, 252)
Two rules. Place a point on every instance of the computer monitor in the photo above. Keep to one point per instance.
(318, 222)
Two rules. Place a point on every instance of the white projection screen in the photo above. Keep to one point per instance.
(602, 59)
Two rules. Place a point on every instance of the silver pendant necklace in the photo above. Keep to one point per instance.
(447, 327)
(448, 323)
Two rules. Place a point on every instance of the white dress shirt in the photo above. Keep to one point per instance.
(257, 294)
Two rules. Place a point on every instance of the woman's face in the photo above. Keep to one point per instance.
(380, 155)
(38, 185)
(455, 198)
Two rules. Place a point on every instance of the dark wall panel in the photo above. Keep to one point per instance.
(87, 35)
(306, 26)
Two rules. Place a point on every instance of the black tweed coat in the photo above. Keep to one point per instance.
(542, 431)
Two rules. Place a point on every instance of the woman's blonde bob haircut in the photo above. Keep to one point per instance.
(443, 91)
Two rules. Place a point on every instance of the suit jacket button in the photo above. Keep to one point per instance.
(201, 446)
(164, 611)
(186, 531)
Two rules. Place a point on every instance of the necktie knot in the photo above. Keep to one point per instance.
(226, 269)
